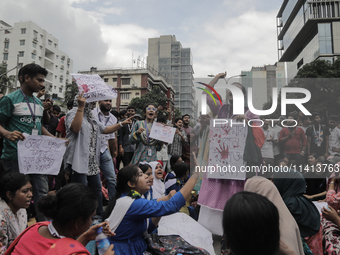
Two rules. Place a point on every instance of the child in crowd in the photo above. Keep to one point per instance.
(175, 181)
(158, 185)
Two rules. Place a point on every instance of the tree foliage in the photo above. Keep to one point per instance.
(178, 113)
(320, 78)
(156, 96)
(71, 90)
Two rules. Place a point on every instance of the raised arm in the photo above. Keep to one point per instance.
(210, 102)
(78, 118)
(113, 128)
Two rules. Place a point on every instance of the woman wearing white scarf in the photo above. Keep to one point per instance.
(158, 187)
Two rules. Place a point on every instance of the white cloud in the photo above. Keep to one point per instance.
(222, 43)
(236, 44)
(125, 40)
(111, 10)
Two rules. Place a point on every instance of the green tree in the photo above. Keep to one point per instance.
(320, 79)
(156, 96)
(71, 90)
(178, 113)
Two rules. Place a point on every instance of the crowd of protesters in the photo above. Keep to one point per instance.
(111, 160)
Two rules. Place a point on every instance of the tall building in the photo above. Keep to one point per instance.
(263, 79)
(25, 43)
(131, 83)
(308, 30)
(167, 56)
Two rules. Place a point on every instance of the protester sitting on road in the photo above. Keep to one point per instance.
(251, 225)
(289, 230)
(16, 195)
(130, 212)
(71, 211)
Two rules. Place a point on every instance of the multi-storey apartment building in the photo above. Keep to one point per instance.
(25, 43)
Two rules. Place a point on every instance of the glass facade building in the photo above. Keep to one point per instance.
(308, 30)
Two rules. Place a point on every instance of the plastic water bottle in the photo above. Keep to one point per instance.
(102, 241)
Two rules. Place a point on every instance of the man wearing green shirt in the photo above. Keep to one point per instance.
(21, 112)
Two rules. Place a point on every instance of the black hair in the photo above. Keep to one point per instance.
(62, 114)
(180, 169)
(122, 113)
(31, 70)
(305, 117)
(314, 114)
(333, 118)
(291, 115)
(131, 107)
(56, 108)
(321, 161)
(173, 160)
(245, 215)
(126, 174)
(144, 167)
(280, 161)
(115, 113)
(146, 105)
(12, 182)
(185, 115)
(72, 202)
(177, 119)
(69, 104)
(315, 155)
(161, 118)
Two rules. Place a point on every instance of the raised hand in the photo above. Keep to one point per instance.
(81, 101)
(222, 75)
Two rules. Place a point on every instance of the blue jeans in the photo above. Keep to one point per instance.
(108, 169)
(94, 183)
(38, 181)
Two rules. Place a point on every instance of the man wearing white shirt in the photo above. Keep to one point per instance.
(334, 139)
(276, 147)
(102, 113)
(267, 148)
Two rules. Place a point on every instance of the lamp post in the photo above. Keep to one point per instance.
(226, 81)
(241, 75)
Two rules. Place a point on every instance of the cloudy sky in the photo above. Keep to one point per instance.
(222, 34)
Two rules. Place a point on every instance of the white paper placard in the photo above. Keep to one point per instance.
(162, 133)
(226, 151)
(40, 154)
(95, 89)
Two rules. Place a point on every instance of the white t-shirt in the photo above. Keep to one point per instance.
(108, 120)
(334, 140)
(276, 147)
(267, 148)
